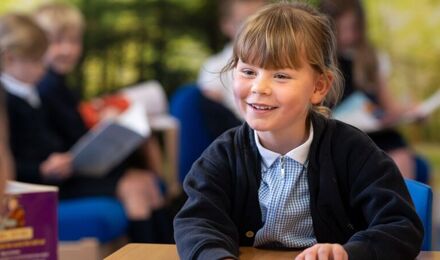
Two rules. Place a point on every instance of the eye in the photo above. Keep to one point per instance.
(282, 76)
(248, 73)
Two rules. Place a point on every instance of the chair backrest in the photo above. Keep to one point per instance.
(194, 136)
(202, 120)
(421, 195)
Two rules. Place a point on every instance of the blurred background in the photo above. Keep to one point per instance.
(130, 41)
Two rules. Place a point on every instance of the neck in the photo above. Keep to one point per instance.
(15, 76)
(10, 77)
(282, 143)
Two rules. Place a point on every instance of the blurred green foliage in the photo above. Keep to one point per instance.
(130, 41)
(127, 42)
(408, 32)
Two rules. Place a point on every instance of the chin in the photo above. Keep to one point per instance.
(258, 126)
(63, 69)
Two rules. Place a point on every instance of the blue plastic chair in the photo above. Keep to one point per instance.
(99, 217)
(194, 137)
(421, 195)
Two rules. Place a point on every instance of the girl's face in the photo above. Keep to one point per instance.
(347, 31)
(27, 70)
(277, 100)
(64, 51)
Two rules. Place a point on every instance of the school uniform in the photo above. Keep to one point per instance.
(357, 197)
(61, 108)
(61, 104)
(32, 140)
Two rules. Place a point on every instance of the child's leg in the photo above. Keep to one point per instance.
(139, 193)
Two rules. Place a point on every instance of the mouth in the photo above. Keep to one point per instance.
(261, 107)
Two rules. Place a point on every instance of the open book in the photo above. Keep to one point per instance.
(28, 222)
(359, 111)
(110, 142)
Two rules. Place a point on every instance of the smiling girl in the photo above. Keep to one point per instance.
(290, 177)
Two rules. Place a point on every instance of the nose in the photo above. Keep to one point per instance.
(65, 48)
(261, 85)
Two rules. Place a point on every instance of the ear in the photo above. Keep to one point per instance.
(322, 87)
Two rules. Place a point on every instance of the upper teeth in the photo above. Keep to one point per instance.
(262, 107)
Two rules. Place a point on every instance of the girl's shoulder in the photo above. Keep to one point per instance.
(235, 138)
(337, 133)
(344, 131)
(231, 146)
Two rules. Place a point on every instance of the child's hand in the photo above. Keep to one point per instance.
(417, 113)
(324, 252)
(57, 166)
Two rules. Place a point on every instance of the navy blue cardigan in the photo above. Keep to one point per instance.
(61, 105)
(35, 133)
(30, 138)
(357, 197)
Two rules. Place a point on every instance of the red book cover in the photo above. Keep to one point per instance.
(28, 222)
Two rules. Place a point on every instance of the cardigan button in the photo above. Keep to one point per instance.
(250, 234)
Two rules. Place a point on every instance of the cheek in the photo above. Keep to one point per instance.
(56, 49)
(75, 51)
(240, 88)
(51, 55)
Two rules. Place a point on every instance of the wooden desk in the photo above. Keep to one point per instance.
(169, 252)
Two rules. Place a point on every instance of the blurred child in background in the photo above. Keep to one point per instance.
(232, 14)
(363, 69)
(136, 188)
(216, 89)
(23, 44)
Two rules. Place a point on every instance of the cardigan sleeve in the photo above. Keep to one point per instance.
(394, 230)
(203, 227)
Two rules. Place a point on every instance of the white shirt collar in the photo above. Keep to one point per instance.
(298, 154)
(20, 89)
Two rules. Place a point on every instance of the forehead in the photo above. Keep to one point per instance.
(67, 33)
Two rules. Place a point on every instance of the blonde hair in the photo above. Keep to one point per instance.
(55, 18)
(280, 35)
(21, 36)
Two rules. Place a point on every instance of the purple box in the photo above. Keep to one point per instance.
(28, 222)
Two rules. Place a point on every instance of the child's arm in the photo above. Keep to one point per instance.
(203, 227)
(379, 198)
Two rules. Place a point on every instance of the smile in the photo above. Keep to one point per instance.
(261, 107)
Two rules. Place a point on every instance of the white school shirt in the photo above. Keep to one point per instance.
(284, 198)
(20, 89)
